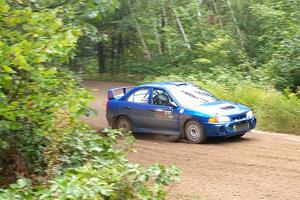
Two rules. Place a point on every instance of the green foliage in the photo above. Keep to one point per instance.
(35, 92)
(45, 151)
(246, 48)
(97, 169)
(221, 52)
(281, 37)
(238, 38)
(284, 68)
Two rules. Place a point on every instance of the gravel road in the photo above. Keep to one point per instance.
(260, 165)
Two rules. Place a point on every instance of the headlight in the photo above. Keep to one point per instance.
(249, 114)
(219, 119)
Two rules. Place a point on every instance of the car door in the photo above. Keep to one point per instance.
(136, 107)
(163, 116)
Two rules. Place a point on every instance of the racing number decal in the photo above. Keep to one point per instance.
(163, 113)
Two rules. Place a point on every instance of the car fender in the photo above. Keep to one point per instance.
(183, 120)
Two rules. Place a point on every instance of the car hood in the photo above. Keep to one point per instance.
(220, 108)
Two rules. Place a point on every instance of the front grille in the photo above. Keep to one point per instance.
(238, 116)
(241, 126)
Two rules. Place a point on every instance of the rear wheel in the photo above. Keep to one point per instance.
(194, 132)
(124, 123)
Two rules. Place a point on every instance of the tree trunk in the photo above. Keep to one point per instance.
(157, 36)
(185, 38)
(120, 45)
(199, 15)
(238, 30)
(112, 54)
(119, 49)
(217, 14)
(143, 42)
(198, 3)
(165, 37)
(101, 57)
(139, 33)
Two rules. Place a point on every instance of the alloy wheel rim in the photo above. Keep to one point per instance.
(124, 125)
(194, 132)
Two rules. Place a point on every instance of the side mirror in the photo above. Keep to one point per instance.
(173, 104)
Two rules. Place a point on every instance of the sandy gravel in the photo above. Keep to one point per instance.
(259, 166)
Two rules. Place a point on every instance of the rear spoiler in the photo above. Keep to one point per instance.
(117, 92)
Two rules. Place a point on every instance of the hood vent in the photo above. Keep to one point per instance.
(228, 107)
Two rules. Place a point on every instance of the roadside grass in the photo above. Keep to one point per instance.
(275, 111)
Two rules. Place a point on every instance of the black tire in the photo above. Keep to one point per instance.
(194, 132)
(124, 123)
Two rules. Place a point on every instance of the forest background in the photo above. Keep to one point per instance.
(244, 51)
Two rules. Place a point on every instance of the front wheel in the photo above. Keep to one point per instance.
(124, 123)
(194, 132)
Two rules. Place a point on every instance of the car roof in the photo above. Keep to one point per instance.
(164, 84)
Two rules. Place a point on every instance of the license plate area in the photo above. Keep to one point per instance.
(241, 126)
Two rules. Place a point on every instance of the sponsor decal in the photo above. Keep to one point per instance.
(164, 114)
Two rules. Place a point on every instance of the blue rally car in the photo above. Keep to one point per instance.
(177, 109)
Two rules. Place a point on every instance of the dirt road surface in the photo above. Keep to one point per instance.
(259, 166)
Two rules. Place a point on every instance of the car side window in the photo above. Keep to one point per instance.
(160, 97)
(140, 96)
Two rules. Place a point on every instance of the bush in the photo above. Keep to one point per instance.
(45, 151)
(39, 100)
(92, 166)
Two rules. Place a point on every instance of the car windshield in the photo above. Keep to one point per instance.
(190, 95)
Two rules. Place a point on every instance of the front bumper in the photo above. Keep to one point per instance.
(227, 129)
